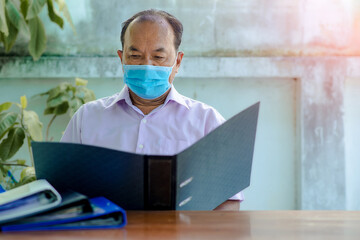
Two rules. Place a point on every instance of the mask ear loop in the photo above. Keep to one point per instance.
(177, 53)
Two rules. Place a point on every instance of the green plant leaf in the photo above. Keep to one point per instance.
(27, 179)
(53, 14)
(3, 21)
(60, 99)
(3, 169)
(10, 145)
(24, 6)
(62, 108)
(2, 36)
(23, 102)
(54, 92)
(35, 8)
(89, 95)
(80, 82)
(40, 95)
(60, 89)
(64, 9)
(21, 162)
(49, 111)
(33, 124)
(11, 38)
(7, 120)
(26, 172)
(4, 176)
(17, 20)
(37, 44)
(5, 106)
(75, 104)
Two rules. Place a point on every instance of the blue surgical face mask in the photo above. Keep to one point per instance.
(147, 81)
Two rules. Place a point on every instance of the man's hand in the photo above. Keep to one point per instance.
(229, 205)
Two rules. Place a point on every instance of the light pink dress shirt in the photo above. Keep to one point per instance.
(114, 122)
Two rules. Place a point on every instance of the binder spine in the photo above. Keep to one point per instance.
(159, 182)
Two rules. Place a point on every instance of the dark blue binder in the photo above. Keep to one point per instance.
(200, 178)
(105, 215)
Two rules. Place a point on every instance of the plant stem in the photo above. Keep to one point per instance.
(13, 164)
(48, 127)
(28, 137)
(30, 151)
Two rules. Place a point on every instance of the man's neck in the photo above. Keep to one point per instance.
(147, 105)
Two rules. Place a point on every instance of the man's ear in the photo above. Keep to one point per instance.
(176, 67)
(178, 61)
(120, 53)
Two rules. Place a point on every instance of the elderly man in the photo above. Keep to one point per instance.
(148, 116)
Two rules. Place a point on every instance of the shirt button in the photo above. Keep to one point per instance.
(144, 120)
(141, 146)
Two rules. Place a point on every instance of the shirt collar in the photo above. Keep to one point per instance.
(176, 97)
(124, 95)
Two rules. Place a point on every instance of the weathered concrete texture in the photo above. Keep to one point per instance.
(191, 67)
(215, 28)
(323, 159)
(60, 67)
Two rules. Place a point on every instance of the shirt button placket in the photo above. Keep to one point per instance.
(142, 134)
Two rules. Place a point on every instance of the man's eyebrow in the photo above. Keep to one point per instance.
(132, 48)
(160, 50)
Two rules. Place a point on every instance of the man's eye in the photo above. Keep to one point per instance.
(159, 57)
(134, 56)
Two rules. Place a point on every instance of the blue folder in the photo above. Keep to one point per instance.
(105, 215)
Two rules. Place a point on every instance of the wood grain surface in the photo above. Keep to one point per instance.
(219, 225)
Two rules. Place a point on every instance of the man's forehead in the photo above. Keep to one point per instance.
(160, 25)
(151, 19)
(156, 29)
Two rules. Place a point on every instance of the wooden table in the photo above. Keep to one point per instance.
(220, 225)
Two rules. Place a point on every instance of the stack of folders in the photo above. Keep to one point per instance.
(38, 206)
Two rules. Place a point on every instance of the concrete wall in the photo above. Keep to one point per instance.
(301, 51)
(217, 28)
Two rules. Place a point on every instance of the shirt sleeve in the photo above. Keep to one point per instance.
(239, 197)
(72, 133)
(214, 120)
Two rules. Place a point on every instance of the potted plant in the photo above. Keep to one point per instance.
(64, 98)
(18, 125)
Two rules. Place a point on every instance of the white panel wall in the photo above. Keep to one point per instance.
(273, 182)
